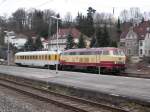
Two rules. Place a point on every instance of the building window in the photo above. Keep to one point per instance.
(141, 44)
(145, 51)
(129, 51)
(141, 51)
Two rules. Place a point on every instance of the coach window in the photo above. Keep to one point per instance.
(55, 57)
(49, 57)
(42, 57)
(45, 57)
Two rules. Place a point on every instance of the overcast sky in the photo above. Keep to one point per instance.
(73, 6)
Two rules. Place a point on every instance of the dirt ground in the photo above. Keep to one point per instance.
(141, 67)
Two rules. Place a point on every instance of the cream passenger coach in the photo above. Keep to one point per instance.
(37, 58)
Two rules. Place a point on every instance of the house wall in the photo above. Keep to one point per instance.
(131, 44)
(141, 48)
(146, 44)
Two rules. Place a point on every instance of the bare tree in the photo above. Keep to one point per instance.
(19, 18)
(135, 14)
(124, 15)
(68, 20)
(100, 19)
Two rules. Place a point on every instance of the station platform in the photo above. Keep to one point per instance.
(137, 89)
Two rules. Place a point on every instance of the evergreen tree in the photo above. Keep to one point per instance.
(2, 34)
(81, 43)
(70, 42)
(99, 38)
(85, 23)
(89, 22)
(93, 42)
(29, 46)
(118, 29)
(102, 38)
(38, 44)
(113, 44)
(105, 37)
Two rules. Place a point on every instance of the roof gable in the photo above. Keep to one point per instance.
(140, 30)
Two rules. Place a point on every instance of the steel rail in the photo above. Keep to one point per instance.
(80, 105)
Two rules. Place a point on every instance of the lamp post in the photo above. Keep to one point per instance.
(8, 50)
(56, 18)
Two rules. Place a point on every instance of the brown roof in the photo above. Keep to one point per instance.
(140, 30)
(66, 31)
(73, 31)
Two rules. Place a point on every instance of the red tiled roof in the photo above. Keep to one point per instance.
(140, 30)
(66, 31)
(73, 31)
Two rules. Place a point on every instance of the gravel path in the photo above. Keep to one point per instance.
(12, 101)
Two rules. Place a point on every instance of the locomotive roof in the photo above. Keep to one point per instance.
(37, 52)
(91, 49)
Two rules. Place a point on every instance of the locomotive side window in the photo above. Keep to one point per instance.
(105, 52)
(72, 53)
(97, 52)
(115, 52)
(118, 52)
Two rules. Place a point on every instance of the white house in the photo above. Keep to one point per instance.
(44, 43)
(136, 40)
(62, 38)
(16, 40)
(144, 44)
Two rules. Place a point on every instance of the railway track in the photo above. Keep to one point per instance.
(65, 101)
(135, 75)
